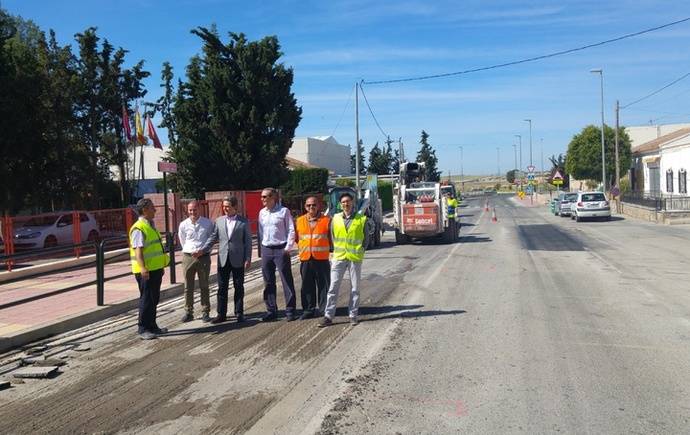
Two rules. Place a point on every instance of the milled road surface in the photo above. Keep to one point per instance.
(532, 324)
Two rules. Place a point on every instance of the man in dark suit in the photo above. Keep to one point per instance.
(234, 257)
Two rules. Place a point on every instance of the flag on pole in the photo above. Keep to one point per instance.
(140, 128)
(125, 124)
(152, 133)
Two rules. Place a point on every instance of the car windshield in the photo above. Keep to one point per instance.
(40, 221)
(570, 197)
(590, 197)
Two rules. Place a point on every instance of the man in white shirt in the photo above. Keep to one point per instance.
(276, 240)
(194, 232)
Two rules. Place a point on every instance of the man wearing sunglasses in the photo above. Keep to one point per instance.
(276, 240)
(314, 244)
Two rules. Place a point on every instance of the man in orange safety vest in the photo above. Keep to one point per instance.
(315, 244)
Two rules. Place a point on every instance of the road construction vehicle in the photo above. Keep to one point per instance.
(368, 204)
(420, 208)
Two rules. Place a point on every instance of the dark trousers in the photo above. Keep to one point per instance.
(272, 259)
(149, 295)
(316, 278)
(223, 284)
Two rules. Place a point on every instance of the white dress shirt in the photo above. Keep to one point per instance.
(194, 235)
(276, 227)
(230, 224)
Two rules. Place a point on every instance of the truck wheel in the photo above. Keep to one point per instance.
(400, 238)
(447, 235)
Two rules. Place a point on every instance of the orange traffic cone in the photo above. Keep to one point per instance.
(493, 215)
(486, 205)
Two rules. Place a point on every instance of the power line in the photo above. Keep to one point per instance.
(531, 59)
(347, 103)
(657, 91)
(372, 113)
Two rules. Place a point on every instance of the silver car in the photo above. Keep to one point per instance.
(590, 205)
(566, 203)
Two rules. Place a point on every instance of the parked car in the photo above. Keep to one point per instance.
(590, 205)
(566, 202)
(46, 231)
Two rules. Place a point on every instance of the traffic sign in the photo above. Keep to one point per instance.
(557, 182)
(557, 175)
(530, 176)
(169, 167)
(530, 168)
(529, 189)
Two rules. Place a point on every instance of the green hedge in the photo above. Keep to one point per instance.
(301, 181)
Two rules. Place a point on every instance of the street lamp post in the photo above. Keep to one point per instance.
(515, 152)
(530, 141)
(520, 142)
(603, 144)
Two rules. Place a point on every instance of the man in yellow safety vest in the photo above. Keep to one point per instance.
(148, 264)
(349, 241)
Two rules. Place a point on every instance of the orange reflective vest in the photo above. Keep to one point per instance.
(313, 242)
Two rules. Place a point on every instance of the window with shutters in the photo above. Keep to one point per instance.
(669, 181)
(682, 181)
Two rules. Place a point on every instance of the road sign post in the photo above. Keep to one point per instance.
(170, 167)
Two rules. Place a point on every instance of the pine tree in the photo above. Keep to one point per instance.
(362, 168)
(427, 155)
(235, 115)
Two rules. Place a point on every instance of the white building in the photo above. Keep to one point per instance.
(323, 152)
(642, 134)
(151, 176)
(660, 165)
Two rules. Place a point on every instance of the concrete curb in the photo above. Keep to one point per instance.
(96, 314)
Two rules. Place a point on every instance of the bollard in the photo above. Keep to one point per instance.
(100, 273)
(170, 240)
(493, 215)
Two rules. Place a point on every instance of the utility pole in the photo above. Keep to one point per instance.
(402, 150)
(462, 173)
(498, 161)
(542, 159)
(618, 169)
(357, 139)
(603, 143)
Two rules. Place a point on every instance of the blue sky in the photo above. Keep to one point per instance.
(333, 44)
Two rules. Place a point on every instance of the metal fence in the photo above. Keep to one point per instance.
(657, 201)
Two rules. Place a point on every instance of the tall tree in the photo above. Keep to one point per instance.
(362, 168)
(427, 155)
(235, 115)
(395, 162)
(583, 160)
(379, 161)
(166, 103)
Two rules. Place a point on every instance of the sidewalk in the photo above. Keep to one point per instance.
(27, 313)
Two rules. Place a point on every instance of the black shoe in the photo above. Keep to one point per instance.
(289, 317)
(269, 317)
(205, 318)
(188, 317)
(159, 331)
(306, 314)
(218, 319)
(325, 322)
(240, 318)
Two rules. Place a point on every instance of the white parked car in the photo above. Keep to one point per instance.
(46, 231)
(565, 204)
(590, 205)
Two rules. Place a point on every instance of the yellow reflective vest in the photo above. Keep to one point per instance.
(348, 243)
(155, 256)
(452, 203)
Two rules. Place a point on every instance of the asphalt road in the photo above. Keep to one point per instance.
(532, 324)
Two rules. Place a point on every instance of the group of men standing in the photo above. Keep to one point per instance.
(316, 237)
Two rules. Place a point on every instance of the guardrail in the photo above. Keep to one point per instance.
(659, 202)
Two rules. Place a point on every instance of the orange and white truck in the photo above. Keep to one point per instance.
(419, 207)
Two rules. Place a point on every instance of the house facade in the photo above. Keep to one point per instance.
(660, 165)
(323, 152)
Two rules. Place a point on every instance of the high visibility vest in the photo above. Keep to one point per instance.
(155, 256)
(452, 203)
(313, 242)
(348, 243)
